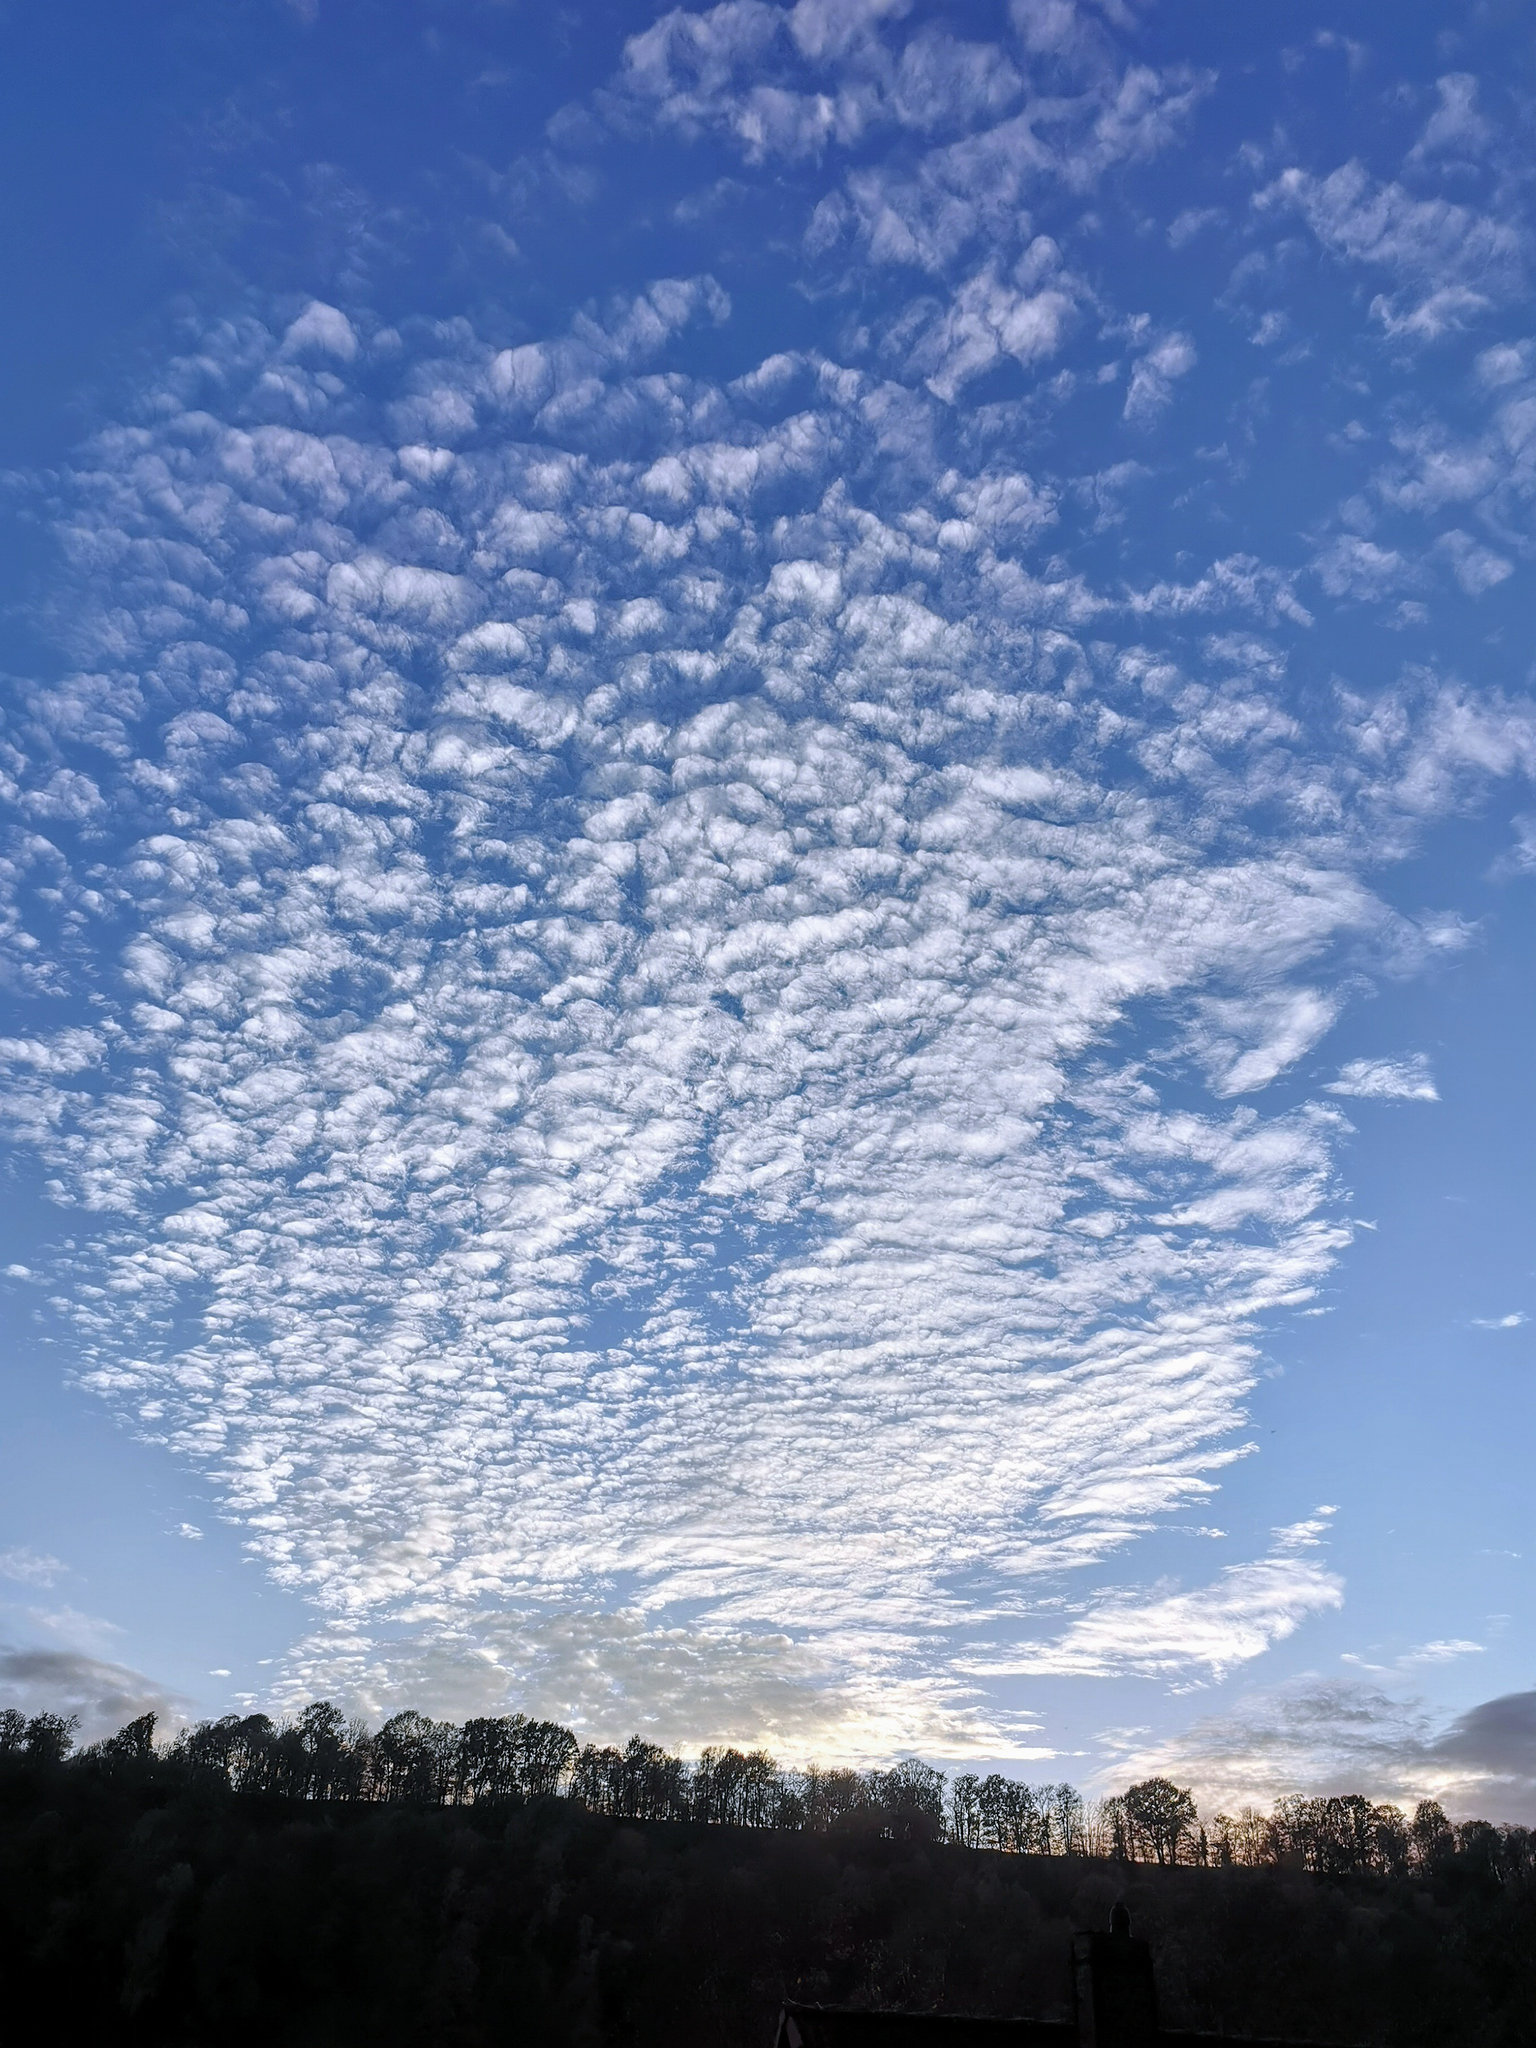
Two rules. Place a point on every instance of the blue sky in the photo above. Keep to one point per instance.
(768, 881)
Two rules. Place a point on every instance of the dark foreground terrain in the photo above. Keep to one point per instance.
(198, 1917)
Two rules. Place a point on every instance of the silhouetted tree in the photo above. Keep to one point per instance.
(965, 1810)
(1063, 1806)
(1159, 1817)
(145, 1898)
(830, 1799)
(132, 1747)
(48, 1738)
(910, 1797)
(1244, 1838)
(1430, 1836)
(412, 1758)
(485, 1760)
(739, 1788)
(597, 1778)
(317, 1759)
(546, 1754)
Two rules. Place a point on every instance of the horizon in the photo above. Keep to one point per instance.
(317, 1753)
(769, 881)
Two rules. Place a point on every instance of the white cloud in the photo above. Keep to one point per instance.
(1435, 243)
(1387, 1080)
(30, 1567)
(1250, 1040)
(989, 319)
(801, 82)
(612, 1203)
(1193, 221)
(1512, 1321)
(612, 1673)
(1153, 377)
(1352, 566)
(1442, 312)
(1488, 474)
(1234, 1619)
(324, 329)
(1476, 568)
(1445, 1651)
(1455, 127)
(1504, 364)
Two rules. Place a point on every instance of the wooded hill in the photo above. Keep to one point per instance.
(150, 1896)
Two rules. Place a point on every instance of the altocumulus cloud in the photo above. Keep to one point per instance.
(610, 919)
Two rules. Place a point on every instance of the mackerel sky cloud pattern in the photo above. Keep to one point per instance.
(674, 976)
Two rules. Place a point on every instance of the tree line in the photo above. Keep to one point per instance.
(321, 1755)
(274, 1884)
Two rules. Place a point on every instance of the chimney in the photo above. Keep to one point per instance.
(1113, 1988)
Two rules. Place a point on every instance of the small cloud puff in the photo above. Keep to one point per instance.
(1476, 568)
(1445, 1651)
(1354, 567)
(1512, 1321)
(30, 1567)
(1387, 1080)
(1455, 128)
(1433, 243)
(1153, 377)
(1192, 221)
(322, 330)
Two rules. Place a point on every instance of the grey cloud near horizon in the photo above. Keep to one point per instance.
(1320, 1736)
(101, 1695)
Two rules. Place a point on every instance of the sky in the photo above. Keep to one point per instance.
(767, 887)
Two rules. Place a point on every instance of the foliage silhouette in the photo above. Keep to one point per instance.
(315, 1882)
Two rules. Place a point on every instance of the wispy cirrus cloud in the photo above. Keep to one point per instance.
(29, 1567)
(1387, 1080)
(1444, 1651)
(1215, 1627)
(1154, 375)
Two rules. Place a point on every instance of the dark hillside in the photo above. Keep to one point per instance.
(136, 1910)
